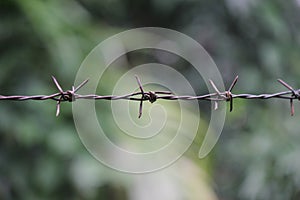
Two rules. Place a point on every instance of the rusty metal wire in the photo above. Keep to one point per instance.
(152, 96)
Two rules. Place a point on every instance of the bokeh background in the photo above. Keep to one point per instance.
(258, 154)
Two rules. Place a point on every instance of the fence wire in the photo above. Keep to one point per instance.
(152, 96)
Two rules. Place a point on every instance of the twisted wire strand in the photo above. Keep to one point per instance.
(152, 96)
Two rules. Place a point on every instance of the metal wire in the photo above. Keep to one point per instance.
(152, 96)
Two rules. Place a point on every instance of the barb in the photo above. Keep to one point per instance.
(229, 94)
(152, 96)
(295, 94)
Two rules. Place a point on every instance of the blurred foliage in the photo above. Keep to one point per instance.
(257, 156)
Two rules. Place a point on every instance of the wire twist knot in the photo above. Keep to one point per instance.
(69, 95)
(150, 96)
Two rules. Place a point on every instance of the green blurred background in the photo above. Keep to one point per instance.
(258, 154)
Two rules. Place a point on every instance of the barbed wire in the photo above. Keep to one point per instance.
(152, 96)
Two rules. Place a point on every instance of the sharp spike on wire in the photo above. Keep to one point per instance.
(216, 105)
(140, 109)
(61, 97)
(215, 88)
(217, 91)
(292, 107)
(57, 84)
(231, 104)
(139, 83)
(81, 85)
(286, 85)
(57, 108)
(229, 95)
(143, 95)
(294, 94)
(233, 83)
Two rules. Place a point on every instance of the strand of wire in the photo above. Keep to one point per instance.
(152, 96)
